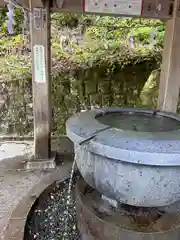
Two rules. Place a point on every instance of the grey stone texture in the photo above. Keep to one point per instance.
(136, 168)
(19, 188)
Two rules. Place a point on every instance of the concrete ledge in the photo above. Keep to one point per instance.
(42, 164)
(14, 218)
(19, 187)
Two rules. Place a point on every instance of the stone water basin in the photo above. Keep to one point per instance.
(129, 155)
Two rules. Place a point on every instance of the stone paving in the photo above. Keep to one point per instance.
(20, 188)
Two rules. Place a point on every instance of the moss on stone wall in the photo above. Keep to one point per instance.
(111, 77)
(93, 87)
(149, 92)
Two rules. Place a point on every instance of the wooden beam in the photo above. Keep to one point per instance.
(41, 67)
(170, 72)
(155, 9)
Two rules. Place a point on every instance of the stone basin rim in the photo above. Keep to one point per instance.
(147, 148)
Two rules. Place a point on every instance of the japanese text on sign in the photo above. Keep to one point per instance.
(39, 63)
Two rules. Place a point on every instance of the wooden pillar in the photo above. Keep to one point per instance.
(170, 72)
(41, 67)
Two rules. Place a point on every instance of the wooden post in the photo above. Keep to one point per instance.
(170, 72)
(41, 67)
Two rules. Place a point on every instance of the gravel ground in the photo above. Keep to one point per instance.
(49, 218)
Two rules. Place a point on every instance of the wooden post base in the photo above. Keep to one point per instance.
(42, 164)
(169, 81)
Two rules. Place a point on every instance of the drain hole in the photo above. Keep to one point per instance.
(171, 9)
(149, 6)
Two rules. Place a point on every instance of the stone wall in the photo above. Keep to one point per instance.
(74, 91)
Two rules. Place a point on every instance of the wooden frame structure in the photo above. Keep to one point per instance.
(41, 63)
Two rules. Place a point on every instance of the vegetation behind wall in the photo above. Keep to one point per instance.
(102, 71)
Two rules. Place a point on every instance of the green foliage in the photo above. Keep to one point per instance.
(117, 29)
(142, 34)
(96, 27)
(107, 77)
(14, 118)
(65, 20)
(9, 43)
(18, 18)
(149, 92)
(160, 39)
(72, 20)
(3, 18)
(101, 72)
(15, 67)
(94, 53)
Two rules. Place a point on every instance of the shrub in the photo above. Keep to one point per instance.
(18, 18)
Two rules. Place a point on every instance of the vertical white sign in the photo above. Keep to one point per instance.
(39, 64)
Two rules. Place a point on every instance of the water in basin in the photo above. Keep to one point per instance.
(139, 122)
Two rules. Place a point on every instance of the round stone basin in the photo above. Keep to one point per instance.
(129, 155)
